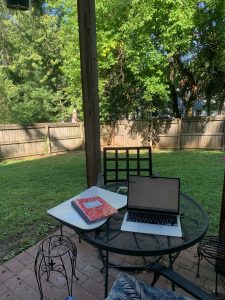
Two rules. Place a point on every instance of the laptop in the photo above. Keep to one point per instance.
(153, 206)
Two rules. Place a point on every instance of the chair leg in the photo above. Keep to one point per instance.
(155, 278)
(106, 272)
(216, 293)
(61, 229)
(199, 258)
(171, 268)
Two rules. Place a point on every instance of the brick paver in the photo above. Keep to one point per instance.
(18, 282)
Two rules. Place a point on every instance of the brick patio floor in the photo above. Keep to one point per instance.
(17, 278)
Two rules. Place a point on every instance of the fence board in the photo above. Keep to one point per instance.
(166, 142)
(68, 131)
(106, 133)
(23, 149)
(71, 144)
(21, 134)
(201, 141)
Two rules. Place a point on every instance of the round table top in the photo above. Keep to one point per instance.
(194, 224)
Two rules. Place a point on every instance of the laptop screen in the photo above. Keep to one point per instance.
(159, 194)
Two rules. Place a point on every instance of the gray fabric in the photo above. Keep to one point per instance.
(127, 287)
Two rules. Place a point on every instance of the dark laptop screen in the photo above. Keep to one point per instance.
(154, 193)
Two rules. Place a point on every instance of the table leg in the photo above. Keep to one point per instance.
(106, 273)
(171, 268)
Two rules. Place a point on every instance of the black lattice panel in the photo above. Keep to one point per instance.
(120, 162)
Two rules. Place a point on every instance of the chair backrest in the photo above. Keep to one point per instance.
(120, 162)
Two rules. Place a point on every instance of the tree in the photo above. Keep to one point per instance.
(165, 49)
(68, 36)
(137, 48)
(149, 54)
(209, 62)
(32, 62)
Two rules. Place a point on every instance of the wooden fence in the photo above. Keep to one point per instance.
(50, 138)
(195, 133)
(39, 139)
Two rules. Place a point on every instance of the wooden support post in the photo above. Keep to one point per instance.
(222, 212)
(88, 56)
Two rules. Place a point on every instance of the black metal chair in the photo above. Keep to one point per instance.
(127, 285)
(181, 282)
(212, 249)
(121, 162)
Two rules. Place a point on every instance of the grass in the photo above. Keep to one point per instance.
(201, 174)
(30, 187)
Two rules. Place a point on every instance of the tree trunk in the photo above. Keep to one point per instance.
(174, 100)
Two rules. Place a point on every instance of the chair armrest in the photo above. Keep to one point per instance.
(182, 282)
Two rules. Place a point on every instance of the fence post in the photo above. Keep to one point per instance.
(150, 131)
(113, 125)
(82, 134)
(223, 138)
(179, 134)
(125, 126)
(48, 139)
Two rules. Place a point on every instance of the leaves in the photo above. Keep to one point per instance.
(33, 60)
(149, 54)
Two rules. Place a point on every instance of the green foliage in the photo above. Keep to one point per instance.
(210, 62)
(149, 53)
(137, 50)
(8, 97)
(163, 49)
(33, 64)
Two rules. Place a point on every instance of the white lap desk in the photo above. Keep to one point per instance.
(66, 214)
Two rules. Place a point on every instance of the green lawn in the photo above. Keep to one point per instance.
(30, 187)
(201, 174)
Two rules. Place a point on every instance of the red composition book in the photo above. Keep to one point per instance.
(93, 208)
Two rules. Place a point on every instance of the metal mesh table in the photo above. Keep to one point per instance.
(109, 237)
(194, 223)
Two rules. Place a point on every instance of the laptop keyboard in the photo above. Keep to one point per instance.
(141, 217)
